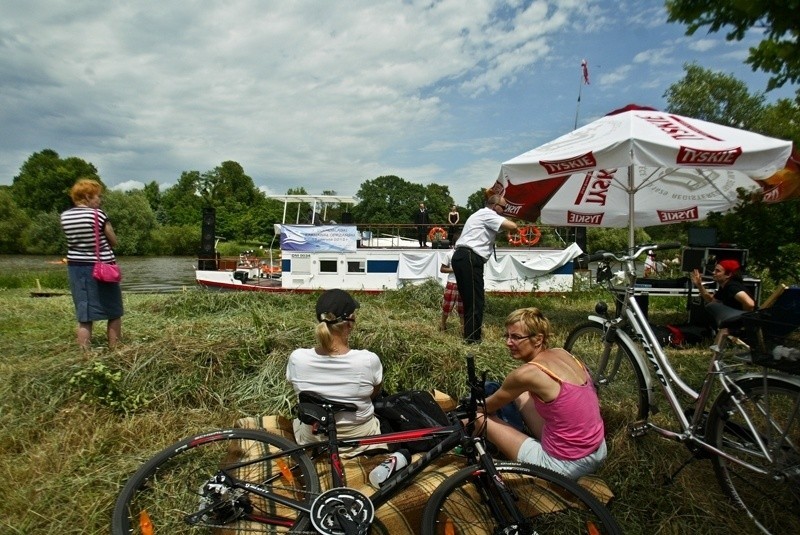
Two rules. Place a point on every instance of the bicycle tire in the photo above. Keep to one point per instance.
(553, 503)
(618, 378)
(772, 500)
(168, 486)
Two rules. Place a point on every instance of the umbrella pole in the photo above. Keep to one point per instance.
(631, 206)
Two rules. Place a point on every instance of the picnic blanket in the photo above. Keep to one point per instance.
(403, 513)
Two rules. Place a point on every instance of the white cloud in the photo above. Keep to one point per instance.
(703, 45)
(321, 95)
(128, 185)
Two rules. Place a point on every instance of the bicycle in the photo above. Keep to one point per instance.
(238, 479)
(751, 432)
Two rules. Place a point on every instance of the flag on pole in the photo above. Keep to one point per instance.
(585, 67)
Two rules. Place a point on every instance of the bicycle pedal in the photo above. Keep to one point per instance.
(638, 429)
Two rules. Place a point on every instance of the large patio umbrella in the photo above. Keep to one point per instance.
(639, 167)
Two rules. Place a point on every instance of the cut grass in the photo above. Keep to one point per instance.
(198, 360)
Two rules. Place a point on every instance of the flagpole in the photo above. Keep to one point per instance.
(578, 105)
(584, 79)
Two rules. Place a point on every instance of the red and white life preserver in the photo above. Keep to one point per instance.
(529, 235)
(532, 234)
(437, 233)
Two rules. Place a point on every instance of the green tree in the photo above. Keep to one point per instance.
(13, 222)
(387, 199)
(133, 221)
(175, 240)
(44, 235)
(153, 194)
(714, 97)
(438, 201)
(182, 203)
(770, 233)
(781, 120)
(779, 51)
(45, 179)
(476, 201)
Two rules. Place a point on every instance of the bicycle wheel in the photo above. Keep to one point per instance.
(180, 481)
(772, 499)
(465, 501)
(619, 379)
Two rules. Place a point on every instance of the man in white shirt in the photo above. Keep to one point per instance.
(472, 251)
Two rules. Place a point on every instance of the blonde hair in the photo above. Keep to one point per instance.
(534, 321)
(325, 332)
(84, 189)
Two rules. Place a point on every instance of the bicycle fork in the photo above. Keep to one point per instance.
(505, 509)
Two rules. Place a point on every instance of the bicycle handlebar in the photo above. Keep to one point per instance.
(605, 255)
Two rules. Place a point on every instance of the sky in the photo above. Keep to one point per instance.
(326, 95)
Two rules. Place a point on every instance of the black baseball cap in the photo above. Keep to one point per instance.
(336, 302)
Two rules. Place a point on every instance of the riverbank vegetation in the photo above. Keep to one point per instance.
(75, 426)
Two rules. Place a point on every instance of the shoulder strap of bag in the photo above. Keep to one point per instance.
(96, 235)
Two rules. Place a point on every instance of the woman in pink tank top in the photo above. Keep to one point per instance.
(556, 398)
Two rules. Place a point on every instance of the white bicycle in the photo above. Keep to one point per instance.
(745, 416)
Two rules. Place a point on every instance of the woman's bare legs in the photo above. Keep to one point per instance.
(84, 335)
(114, 332)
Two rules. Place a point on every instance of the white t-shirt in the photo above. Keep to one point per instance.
(447, 260)
(348, 378)
(480, 231)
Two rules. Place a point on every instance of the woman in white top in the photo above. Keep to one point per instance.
(335, 371)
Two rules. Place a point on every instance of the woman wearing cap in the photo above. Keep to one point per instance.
(334, 370)
(730, 287)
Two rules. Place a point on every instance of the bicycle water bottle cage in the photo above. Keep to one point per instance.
(314, 409)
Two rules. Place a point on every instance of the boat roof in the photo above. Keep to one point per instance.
(311, 199)
(314, 200)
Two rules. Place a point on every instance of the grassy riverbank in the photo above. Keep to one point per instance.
(74, 426)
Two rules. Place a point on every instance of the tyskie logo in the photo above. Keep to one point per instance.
(676, 216)
(571, 165)
(690, 156)
(577, 218)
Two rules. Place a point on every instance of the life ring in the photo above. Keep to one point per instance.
(525, 236)
(531, 234)
(515, 239)
(437, 233)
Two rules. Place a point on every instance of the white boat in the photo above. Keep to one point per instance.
(318, 257)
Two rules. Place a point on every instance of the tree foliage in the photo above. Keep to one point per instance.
(133, 221)
(44, 235)
(715, 97)
(45, 179)
(13, 222)
(778, 53)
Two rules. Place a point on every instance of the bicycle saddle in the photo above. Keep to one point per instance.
(313, 408)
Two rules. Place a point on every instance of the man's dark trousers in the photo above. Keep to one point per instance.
(468, 269)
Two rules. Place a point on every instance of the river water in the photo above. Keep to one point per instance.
(139, 274)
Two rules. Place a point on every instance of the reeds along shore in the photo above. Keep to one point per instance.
(75, 425)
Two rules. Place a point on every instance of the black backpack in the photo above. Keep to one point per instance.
(406, 411)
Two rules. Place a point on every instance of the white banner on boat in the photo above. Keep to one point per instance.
(319, 238)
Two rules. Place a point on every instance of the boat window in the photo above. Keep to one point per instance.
(327, 266)
(356, 266)
(301, 265)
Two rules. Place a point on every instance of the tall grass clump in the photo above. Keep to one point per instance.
(74, 426)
